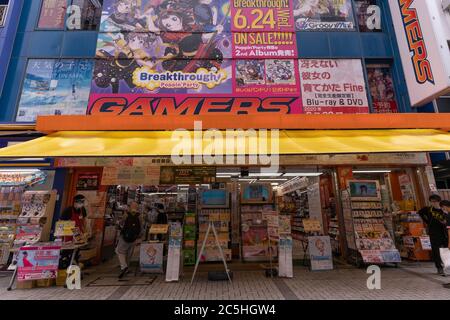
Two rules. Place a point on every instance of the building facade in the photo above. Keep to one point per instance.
(48, 33)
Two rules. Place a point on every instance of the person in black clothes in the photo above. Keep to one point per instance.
(435, 221)
(445, 205)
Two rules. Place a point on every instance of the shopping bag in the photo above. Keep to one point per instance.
(445, 257)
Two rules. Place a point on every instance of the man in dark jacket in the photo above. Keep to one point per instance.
(435, 221)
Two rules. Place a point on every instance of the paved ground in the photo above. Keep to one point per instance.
(409, 281)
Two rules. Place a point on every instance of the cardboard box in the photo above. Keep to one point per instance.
(29, 284)
(45, 283)
(61, 278)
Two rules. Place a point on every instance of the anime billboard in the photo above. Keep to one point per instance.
(196, 56)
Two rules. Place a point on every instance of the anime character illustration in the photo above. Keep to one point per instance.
(151, 254)
(311, 8)
(280, 71)
(320, 246)
(249, 72)
(129, 54)
(381, 84)
(124, 15)
(191, 31)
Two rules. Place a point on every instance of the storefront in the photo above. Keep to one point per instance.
(335, 195)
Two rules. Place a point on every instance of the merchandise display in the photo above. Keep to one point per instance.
(35, 220)
(190, 235)
(10, 206)
(411, 236)
(372, 239)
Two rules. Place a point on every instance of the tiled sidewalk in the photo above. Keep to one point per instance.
(409, 281)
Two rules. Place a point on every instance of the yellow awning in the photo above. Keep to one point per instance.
(158, 143)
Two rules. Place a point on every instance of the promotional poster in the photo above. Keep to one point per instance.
(320, 253)
(38, 262)
(151, 257)
(55, 87)
(381, 87)
(323, 15)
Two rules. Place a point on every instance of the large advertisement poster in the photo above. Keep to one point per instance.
(38, 262)
(195, 57)
(333, 86)
(323, 15)
(320, 253)
(381, 87)
(55, 87)
(53, 13)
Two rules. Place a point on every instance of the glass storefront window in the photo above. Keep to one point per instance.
(90, 12)
(381, 87)
(55, 87)
(369, 15)
(3, 11)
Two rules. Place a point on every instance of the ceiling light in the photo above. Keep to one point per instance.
(274, 179)
(265, 174)
(302, 174)
(19, 170)
(275, 183)
(372, 171)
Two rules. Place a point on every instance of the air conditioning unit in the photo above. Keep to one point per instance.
(446, 5)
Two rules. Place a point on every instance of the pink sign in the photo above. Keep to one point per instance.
(38, 262)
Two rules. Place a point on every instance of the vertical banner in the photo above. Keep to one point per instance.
(381, 87)
(263, 29)
(285, 266)
(333, 86)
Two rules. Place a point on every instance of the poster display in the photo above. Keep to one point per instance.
(263, 29)
(64, 228)
(333, 86)
(381, 87)
(151, 257)
(53, 13)
(323, 15)
(55, 87)
(320, 253)
(88, 181)
(174, 252)
(38, 262)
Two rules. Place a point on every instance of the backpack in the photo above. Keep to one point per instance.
(131, 229)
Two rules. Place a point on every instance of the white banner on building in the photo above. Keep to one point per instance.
(422, 33)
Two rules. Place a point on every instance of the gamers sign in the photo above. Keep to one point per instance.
(421, 38)
(151, 105)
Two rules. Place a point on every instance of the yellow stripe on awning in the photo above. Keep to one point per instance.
(159, 143)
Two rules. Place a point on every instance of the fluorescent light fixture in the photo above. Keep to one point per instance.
(223, 176)
(275, 183)
(228, 173)
(372, 171)
(265, 174)
(19, 170)
(274, 179)
(302, 174)
(246, 179)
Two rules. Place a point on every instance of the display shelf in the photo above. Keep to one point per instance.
(366, 228)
